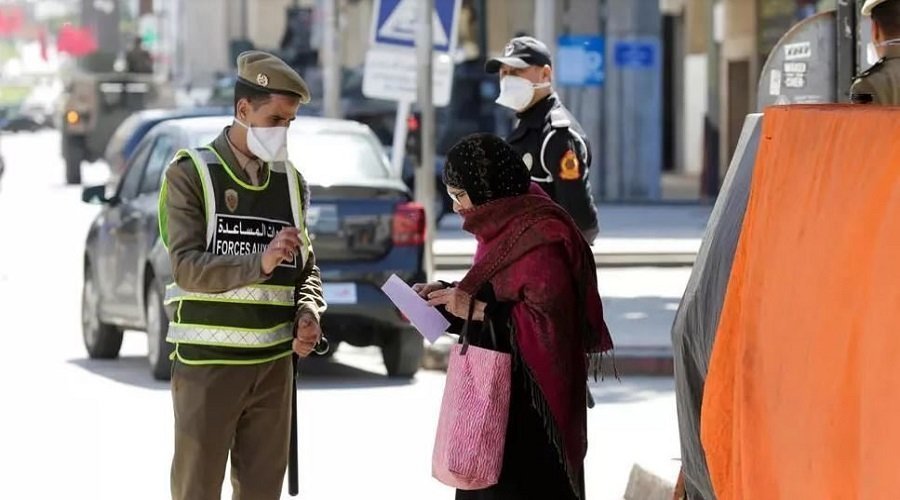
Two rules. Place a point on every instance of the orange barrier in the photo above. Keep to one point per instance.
(802, 400)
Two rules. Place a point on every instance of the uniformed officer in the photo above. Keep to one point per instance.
(247, 291)
(552, 143)
(880, 84)
(138, 60)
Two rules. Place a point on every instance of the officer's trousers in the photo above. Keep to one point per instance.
(244, 410)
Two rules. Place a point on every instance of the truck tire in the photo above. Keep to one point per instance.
(158, 350)
(101, 340)
(402, 353)
(74, 155)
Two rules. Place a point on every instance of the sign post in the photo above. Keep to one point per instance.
(425, 185)
(410, 60)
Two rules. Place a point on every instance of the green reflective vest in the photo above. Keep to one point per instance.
(248, 325)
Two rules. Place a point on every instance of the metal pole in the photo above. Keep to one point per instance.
(545, 23)
(398, 150)
(713, 161)
(332, 60)
(847, 36)
(425, 175)
(244, 13)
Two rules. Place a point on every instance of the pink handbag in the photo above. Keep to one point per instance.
(471, 434)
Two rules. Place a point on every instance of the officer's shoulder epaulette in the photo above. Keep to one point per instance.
(559, 118)
(873, 69)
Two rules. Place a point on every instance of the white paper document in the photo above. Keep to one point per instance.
(428, 320)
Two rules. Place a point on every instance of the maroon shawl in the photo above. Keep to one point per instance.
(533, 254)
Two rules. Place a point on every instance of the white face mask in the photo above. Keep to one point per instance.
(517, 93)
(872, 49)
(267, 143)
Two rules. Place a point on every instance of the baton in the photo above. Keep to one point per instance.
(293, 459)
(294, 454)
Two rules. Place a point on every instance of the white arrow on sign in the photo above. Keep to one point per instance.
(402, 24)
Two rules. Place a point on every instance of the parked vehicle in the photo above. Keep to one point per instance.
(95, 104)
(362, 222)
(129, 134)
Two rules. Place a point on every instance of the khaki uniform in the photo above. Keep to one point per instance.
(879, 84)
(244, 410)
(138, 60)
(196, 269)
(240, 408)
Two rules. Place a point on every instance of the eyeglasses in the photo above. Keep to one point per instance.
(456, 196)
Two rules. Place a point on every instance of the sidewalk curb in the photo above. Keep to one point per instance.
(628, 361)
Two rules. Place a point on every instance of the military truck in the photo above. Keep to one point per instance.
(93, 107)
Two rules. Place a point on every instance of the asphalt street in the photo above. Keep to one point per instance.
(73, 428)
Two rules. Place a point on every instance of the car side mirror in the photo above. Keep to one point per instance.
(96, 195)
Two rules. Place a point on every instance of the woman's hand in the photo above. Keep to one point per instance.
(456, 302)
(424, 289)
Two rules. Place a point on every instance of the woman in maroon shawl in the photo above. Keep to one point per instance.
(534, 280)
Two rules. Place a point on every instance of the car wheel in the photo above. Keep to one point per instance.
(101, 340)
(402, 353)
(158, 350)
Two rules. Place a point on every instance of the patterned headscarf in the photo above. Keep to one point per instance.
(487, 168)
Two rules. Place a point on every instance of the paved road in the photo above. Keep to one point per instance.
(79, 429)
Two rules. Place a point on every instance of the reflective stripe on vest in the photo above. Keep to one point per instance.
(195, 321)
(229, 337)
(258, 294)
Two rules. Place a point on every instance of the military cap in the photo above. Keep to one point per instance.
(521, 52)
(871, 4)
(268, 73)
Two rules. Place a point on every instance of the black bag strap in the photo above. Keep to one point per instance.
(465, 329)
(487, 324)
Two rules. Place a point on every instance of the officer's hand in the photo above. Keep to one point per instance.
(307, 335)
(424, 289)
(282, 248)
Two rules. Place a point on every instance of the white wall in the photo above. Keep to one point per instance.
(695, 104)
(204, 42)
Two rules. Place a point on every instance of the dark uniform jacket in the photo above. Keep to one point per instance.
(197, 270)
(555, 149)
(880, 84)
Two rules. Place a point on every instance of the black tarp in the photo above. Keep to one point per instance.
(697, 319)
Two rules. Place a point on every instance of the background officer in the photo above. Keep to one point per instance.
(880, 84)
(552, 143)
(247, 290)
(138, 60)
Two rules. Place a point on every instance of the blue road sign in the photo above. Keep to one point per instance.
(396, 23)
(581, 60)
(635, 54)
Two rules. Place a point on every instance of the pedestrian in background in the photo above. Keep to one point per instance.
(535, 283)
(548, 138)
(138, 60)
(880, 84)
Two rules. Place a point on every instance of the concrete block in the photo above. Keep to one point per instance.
(645, 485)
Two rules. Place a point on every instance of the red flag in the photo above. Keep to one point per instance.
(11, 20)
(75, 41)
